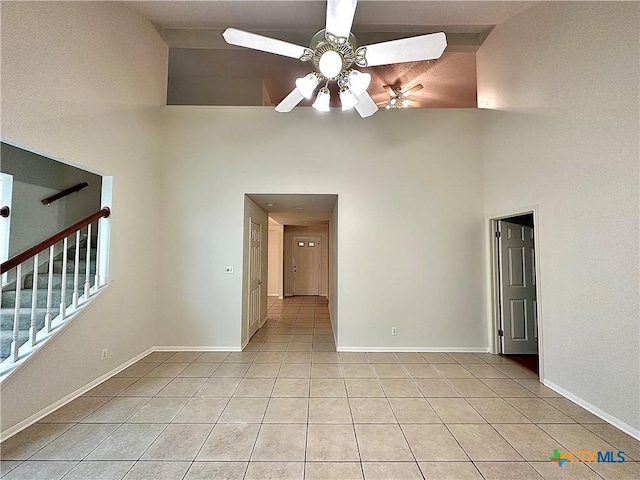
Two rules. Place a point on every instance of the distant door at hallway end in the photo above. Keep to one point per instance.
(306, 265)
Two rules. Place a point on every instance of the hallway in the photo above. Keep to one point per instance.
(290, 407)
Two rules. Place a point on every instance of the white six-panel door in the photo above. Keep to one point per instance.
(306, 265)
(517, 289)
(255, 277)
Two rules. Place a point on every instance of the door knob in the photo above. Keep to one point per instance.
(259, 282)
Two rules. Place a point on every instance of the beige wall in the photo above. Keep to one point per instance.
(409, 228)
(83, 82)
(333, 270)
(276, 249)
(290, 232)
(563, 80)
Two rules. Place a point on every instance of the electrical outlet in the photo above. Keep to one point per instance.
(105, 354)
(394, 331)
(228, 269)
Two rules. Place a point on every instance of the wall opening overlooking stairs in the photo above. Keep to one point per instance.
(45, 304)
(57, 253)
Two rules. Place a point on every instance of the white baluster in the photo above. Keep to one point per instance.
(76, 271)
(16, 315)
(34, 302)
(48, 317)
(63, 288)
(87, 285)
(96, 281)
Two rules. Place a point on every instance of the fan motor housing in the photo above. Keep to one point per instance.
(323, 42)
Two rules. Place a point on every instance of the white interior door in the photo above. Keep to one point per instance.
(255, 277)
(6, 193)
(306, 265)
(518, 312)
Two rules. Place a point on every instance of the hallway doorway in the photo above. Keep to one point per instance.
(516, 307)
(299, 250)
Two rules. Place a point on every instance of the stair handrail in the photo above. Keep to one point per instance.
(52, 240)
(67, 191)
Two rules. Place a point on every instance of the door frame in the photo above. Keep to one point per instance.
(493, 279)
(318, 240)
(260, 320)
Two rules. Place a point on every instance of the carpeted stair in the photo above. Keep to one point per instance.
(7, 303)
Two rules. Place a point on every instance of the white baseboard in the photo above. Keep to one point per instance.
(280, 297)
(273, 295)
(196, 348)
(619, 424)
(415, 349)
(72, 396)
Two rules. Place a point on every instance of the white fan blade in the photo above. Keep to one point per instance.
(366, 106)
(340, 17)
(290, 101)
(265, 44)
(423, 47)
(413, 89)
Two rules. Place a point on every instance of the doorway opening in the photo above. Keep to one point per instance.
(297, 260)
(516, 326)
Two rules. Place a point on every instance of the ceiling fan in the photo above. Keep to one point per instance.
(398, 97)
(333, 52)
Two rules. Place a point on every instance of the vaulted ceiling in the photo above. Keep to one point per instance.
(205, 70)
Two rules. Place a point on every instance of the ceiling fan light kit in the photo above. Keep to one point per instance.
(322, 100)
(333, 51)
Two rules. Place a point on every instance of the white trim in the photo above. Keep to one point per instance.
(196, 348)
(72, 396)
(262, 322)
(244, 344)
(619, 424)
(415, 349)
(491, 280)
(280, 297)
(334, 330)
(273, 295)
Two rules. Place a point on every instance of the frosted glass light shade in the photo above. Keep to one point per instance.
(359, 82)
(347, 99)
(322, 100)
(307, 84)
(330, 64)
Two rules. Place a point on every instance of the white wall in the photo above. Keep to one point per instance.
(410, 223)
(315, 230)
(333, 270)
(276, 249)
(83, 82)
(563, 80)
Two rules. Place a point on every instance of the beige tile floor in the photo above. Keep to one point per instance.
(290, 407)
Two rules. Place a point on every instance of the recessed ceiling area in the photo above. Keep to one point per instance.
(205, 70)
(296, 209)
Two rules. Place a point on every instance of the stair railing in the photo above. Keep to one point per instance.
(31, 257)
